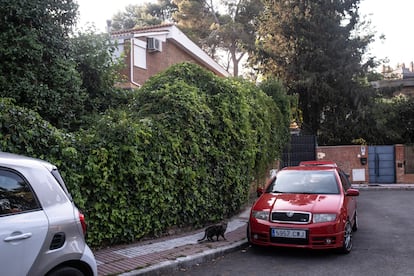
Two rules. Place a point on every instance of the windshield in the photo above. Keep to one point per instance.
(306, 182)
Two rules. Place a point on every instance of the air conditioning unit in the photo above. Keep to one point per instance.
(153, 44)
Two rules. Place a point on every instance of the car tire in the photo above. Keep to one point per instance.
(66, 271)
(251, 245)
(355, 225)
(347, 240)
(248, 233)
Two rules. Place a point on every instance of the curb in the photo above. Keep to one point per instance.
(168, 267)
(367, 187)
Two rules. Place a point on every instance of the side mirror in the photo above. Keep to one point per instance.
(352, 192)
(259, 191)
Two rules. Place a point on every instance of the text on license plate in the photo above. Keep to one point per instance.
(288, 233)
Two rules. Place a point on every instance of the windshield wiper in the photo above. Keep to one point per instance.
(276, 192)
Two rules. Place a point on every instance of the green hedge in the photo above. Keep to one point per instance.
(23, 131)
(183, 153)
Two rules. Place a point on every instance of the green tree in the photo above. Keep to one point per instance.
(143, 15)
(94, 56)
(35, 67)
(227, 32)
(406, 120)
(196, 19)
(389, 121)
(313, 47)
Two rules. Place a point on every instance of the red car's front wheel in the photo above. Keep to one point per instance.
(347, 241)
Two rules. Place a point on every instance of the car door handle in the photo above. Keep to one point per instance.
(18, 237)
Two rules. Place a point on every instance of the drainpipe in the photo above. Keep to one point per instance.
(132, 61)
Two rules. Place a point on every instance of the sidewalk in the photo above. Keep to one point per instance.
(168, 254)
(372, 186)
(162, 256)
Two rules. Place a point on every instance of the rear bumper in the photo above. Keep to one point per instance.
(89, 258)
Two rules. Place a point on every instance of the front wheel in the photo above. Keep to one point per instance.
(66, 271)
(347, 241)
(249, 239)
(355, 226)
(248, 233)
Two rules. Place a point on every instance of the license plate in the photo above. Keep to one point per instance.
(288, 233)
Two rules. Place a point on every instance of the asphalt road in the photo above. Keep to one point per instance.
(383, 245)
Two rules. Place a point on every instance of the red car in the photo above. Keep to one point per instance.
(308, 206)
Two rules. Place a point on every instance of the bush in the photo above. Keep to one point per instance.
(23, 131)
(183, 154)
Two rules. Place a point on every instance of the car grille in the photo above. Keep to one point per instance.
(291, 217)
(290, 241)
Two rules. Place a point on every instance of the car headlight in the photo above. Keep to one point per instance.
(264, 215)
(323, 218)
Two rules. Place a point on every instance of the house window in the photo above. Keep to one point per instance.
(140, 54)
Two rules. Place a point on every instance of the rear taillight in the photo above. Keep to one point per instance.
(83, 222)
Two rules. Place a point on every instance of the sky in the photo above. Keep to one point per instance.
(389, 18)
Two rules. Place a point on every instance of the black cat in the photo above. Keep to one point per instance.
(215, 230)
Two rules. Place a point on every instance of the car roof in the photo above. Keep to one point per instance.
(309, 168)
(11, 159)
(314, 166)
(318, 163)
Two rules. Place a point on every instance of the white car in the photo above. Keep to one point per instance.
(41, 230)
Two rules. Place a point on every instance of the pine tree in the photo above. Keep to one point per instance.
(313, 46)
(225, 33)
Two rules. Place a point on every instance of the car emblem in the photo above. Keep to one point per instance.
(289, 214)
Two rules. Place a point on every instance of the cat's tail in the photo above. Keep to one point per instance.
(203, 238)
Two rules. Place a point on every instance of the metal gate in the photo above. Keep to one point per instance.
(381, 164)
(300, 148)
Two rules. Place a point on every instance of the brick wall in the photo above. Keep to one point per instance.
(399, 166)
(348, 158)
(160, 61)
(156, 62)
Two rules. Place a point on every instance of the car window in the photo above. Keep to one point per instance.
(346, 184)
(16, 195)
(59, 179)
(308, 182)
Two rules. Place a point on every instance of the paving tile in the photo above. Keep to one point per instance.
(129, 259)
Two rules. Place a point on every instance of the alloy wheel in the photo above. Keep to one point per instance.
(347, 243)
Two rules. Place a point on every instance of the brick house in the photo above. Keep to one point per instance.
(150, 50)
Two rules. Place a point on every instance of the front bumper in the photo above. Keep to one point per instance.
(326, 235)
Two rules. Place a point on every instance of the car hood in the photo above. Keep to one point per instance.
(314, 203)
